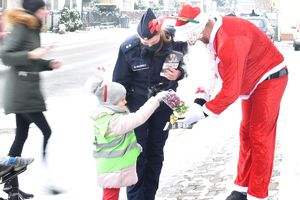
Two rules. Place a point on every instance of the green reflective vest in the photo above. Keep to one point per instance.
(116, 152)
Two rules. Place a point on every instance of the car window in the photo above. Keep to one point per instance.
(258, 22)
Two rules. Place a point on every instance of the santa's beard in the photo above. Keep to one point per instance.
(200, 67)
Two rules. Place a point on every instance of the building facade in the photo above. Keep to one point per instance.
(4, 4)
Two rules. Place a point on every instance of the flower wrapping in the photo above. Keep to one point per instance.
(175, 103)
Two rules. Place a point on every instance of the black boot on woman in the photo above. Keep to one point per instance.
(12, 190)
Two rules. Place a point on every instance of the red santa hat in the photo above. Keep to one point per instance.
(190, 21)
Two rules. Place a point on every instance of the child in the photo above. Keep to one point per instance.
(7, 163)
(117, 149)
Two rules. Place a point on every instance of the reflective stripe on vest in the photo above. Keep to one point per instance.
(116, 152)
(112, 143)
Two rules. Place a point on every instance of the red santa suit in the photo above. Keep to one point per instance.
(245, 58)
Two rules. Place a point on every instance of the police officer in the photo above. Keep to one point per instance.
(138, 68)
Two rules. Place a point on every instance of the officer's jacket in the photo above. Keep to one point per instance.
(139, 70)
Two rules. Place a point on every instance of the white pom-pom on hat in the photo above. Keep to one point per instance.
(92, 84)
(95, 81)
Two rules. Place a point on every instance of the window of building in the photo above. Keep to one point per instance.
(3, 4)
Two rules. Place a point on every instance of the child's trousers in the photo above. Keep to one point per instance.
(111, 193)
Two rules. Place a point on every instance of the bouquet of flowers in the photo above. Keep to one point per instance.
(179, 108)
(175, 103)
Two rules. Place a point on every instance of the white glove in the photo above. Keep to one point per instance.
(161, 95)
(194, 114)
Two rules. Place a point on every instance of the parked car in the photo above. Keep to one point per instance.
(296, 37)
(263, 24)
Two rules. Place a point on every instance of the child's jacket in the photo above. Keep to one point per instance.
(116, 149)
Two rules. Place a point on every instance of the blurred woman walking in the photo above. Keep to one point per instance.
(22, 51)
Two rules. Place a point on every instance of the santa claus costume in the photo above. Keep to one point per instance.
(250, 67)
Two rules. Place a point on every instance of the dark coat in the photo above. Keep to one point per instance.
(22, 88)
(139, 71)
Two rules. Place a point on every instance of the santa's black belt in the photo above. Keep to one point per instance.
(278, 74)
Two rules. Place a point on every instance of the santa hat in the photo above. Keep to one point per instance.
(190, 20)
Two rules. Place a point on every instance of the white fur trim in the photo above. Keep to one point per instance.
(208, 112)
(184, 32)
(249, 197)
(216, 27)
(240, 188)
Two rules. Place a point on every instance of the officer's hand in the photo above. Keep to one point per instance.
(194, 114)
(172, 74)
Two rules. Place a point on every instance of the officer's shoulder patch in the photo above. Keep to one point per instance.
(130, 43)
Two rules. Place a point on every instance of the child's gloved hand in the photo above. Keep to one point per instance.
(161, 95)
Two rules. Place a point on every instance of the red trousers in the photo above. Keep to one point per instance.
(111, 193)
(257, 136)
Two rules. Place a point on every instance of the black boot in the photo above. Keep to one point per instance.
(235, 195)
(8, 189)
(14, 194)
(25, 195)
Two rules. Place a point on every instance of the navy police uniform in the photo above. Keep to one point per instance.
(138, 69)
